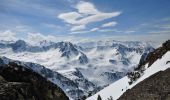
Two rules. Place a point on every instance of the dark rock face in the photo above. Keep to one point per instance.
(3, 45)
(156, 87)
(143, 58)
(112, 61)
(20, 83)
(21, 46)
(150, 59)
(67, 49)
(113, 76)
(83, 59)
(15, 90)
(156, 54)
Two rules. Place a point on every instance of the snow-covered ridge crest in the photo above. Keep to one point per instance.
(66, 49)
(116, 89)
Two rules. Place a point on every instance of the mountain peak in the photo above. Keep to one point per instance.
(19, 46)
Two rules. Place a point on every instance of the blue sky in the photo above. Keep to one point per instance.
(84, 18)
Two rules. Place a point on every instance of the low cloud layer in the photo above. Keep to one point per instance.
(7, 36)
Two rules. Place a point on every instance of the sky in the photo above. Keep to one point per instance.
(84, 20)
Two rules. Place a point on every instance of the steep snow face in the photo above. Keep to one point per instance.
(99, 63)
(111, 60)
(82, 82)
(116, 89)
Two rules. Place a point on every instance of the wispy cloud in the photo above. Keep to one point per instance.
(52, 26)
(164, 26)
(86, 13)
(32, 8)
(78, 28)
(37, 37)
(34, 38)
(98, 29)
(94, 29)
(107, 30)
(166, 19)
(30, 16)
(86, 8)
(160, 32)
(70, 17)
(79, 32)
(109, 24)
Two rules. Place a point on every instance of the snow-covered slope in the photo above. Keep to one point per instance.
(91, 67)
(116, 89)
(111, 60)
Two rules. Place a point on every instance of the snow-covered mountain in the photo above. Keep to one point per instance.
(156, 61)
(91, 66)
(111, 60)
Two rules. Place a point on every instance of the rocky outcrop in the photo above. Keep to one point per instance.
(156, 87)
(150, 59)
(20, 83)
(156, 54)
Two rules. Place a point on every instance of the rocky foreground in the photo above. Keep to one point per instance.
(19, 83)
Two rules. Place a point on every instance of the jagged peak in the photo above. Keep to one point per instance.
(20, 43)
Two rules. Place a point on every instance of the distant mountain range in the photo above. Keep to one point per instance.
(79, 69)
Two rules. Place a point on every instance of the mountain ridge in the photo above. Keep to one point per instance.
(125, 84)
(18, 82)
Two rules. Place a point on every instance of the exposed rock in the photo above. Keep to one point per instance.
(112, 61)
(156, 87)
(20, 83)
(156, 54)
(83, 59)
(150, 59)
(113, 76)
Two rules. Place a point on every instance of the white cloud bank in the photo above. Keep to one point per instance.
(7, 35)
(86, 13)
(34, 38)
(37, 37)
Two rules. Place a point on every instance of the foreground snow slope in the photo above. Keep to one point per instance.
(116, 89)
